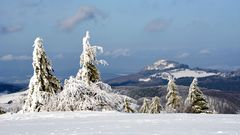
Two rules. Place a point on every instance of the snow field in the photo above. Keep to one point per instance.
(115, 123)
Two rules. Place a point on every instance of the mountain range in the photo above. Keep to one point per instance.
(157, 74)
(6, 88)
(221, 88)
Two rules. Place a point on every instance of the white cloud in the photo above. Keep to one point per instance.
(11, 29)
(118, 52)
(58, 56)
(157, 25)
(183, 55)
(10, 57)
(84, 13)
(205, 51)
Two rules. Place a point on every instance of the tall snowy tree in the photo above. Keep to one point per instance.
(196, 101)
(174, 101)
(127, 106)
(43, 83)
(89, 72)
(155, 106)
(145, 107)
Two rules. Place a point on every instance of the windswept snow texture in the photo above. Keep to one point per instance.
(114, 123)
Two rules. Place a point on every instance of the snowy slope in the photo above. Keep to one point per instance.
(162, 65)
(114, 123)
(190, 73)
(175, 69)
(8, 97)
(12, 102)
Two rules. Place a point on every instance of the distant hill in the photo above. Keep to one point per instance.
(158, 73)
(220, 101)
(7, 88)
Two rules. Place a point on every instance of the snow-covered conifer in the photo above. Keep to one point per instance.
(127, 106)
(1, 111)
(145, 107)
(155, 106)
(43, 83)
(174, 102)
(196, 101)
(89, 72)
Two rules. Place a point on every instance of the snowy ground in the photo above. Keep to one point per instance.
(114, 123)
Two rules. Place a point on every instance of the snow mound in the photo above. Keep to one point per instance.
(77, 96)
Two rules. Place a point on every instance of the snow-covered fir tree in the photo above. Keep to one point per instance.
(174, 101)
(43, 83)
(145, 106)
(196, 101)
(89, 72)
(127, 106)
(155, 106)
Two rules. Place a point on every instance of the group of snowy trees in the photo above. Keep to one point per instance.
(194, 103)
(83, 92)
(87, 92)
(154, 107)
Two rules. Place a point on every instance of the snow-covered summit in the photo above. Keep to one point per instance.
(165, 64)
(165, 68)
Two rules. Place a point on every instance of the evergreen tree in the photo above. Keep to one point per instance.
(127, 106)
(196, 101)
(155, 106)
(43, 83)
(89, 72)
(145, 106)
(174, 102)
(1, 111)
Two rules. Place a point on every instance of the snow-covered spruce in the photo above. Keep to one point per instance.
(127, 106)
(86, 91)
(43, 84)
(196, 101)
(145, 107)
(89, 72)
(155, 106)
(1, 111)
(174, 101)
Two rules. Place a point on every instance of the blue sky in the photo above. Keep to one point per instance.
(134, 33)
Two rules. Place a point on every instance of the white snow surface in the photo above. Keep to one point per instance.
(161, 65)
(115, 123)
(7, 97)
(13, 102)
(144, 79)
(191, 73)
(179, 73)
